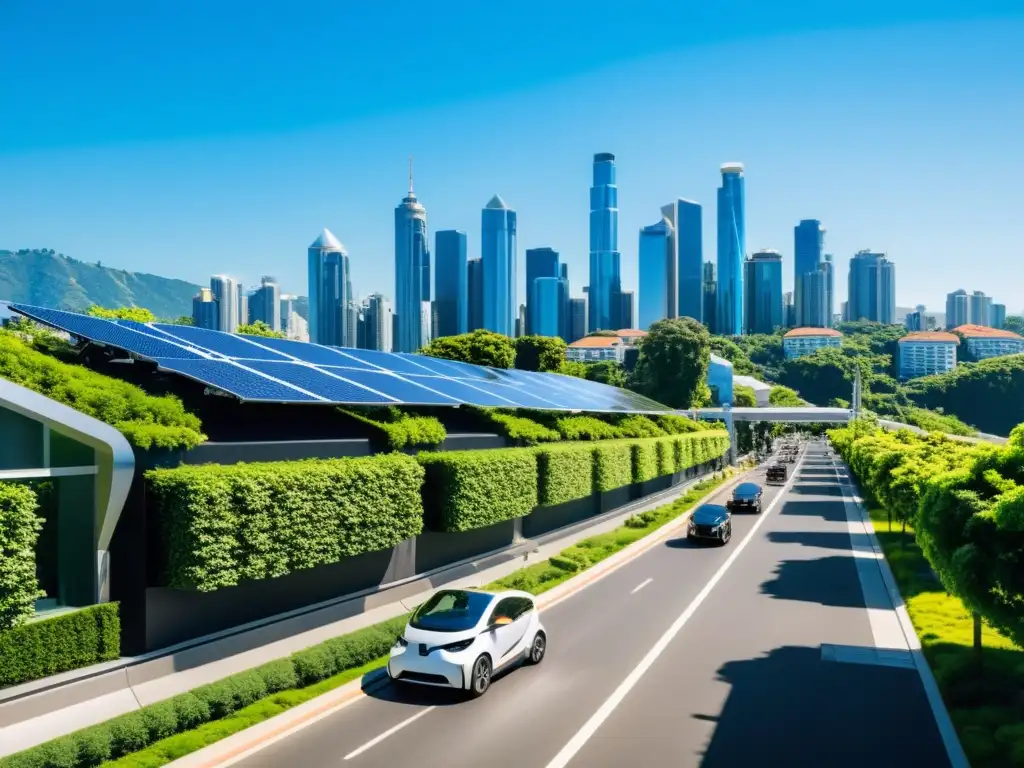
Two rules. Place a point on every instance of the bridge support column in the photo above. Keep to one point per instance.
(730, 425)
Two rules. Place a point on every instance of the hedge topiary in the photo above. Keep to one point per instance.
(226, 524)
(638, 426)
(519, 429)
(585, 428)
(19, 530)
(473, 489)
(613, 465)
(65, 642)
(399, 429)
(565, 473)
(645, 460)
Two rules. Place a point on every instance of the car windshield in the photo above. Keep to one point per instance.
(451, 610)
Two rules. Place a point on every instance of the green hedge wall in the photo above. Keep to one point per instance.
(473, 489)
(19, 530)
(65, 642)
(397, 429)
(613, 465)
(645, 460)
(226, 524)
(565, 473)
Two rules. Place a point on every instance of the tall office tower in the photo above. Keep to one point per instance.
(545, 312)
(475, 294)
(243, 305)
(330, 288)
(566, 310)
(519, 327)
(412, 271)
(605, 276)
(626, 313)
(710, 297)
(732, 239)
(656, 253)
(815, 296)
(351, 336)
(914, 321)
(762, 281)
(958, 308)
(872, 288)
(685, 256)
(540, 262)
(498, 254)
(998, 319)
(828, 267)
(808, 248)
(204, 309)
(577, 320)
(361, 326)
(788, 310)
(425, 325)
(227, 292)
(265, 303)
(981, 308)
(451, 291)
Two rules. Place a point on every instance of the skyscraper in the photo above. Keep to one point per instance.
(605, 277)
(498, 254)
(763, 292)
(204, 309)
(981, 308)
(540, 262)
(228, 293)
(808, 249)
(330, 289)
(732, 240)
(626, 309)
(656, 253)
(958, 308)
(814, 296)
(545, 311)
(451, 288)
(475, 293)
(828, 267)
(710, 297)
(998, 316)
(685, 270)
(265, 304)
(788, 310)
(872, 288)
(412, 271)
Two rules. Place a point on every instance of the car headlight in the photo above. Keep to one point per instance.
(459, 646)
(401, 642)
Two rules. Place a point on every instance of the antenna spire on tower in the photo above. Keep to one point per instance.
(410, 176)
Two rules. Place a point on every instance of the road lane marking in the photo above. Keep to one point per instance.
(640, 586)
(590, 727)
(389, 732)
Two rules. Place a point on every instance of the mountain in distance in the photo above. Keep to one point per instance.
(49, 279)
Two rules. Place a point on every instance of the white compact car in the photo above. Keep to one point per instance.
(460, 638)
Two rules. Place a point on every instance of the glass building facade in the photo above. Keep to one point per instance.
(577, 320)
(690, 259)
(475, 291)
(872, 288)
(451, 286)
(228, 293)
(763, 292)
(655, 255)
(546, 307)
(498, 254)
(265, 304)
(808, 250)
(605, 276)
(732, 240)
(330, 290)
(412, 273)
(204, 309)
(710, 297)
(540, 262)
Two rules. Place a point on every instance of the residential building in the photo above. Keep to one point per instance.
(577, 319)
(451, 287)
(498, 253)
(808, 250)
(762, 280)
(731, 250)
(958, 308)
(872, 288)
(998, 319)
(412, 272)
(330, 290)
(803, 341)
(710, 297)
(540, 262)
(630, 336)
(984, 342)
(475, 293)
(923, 353)
(265, 304)
(592, 349)
(204, 310)
(655, 255)
(626, 309)
(228, 293)
(605, 280)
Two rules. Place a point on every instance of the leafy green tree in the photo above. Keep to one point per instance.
(138, 314)
(539, 353)
(673, 363)
(478, 347)
(260, 328)
(607, 372)
(573, 368)
(744, 397)
(183, 320)
(784, 397)
(1015, 323)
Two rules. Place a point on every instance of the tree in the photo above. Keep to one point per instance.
(138, 314)
(607, 372)
(784, 397)
(259, 328)
(744, 397)
(1015, 323)
(539, 353)
(573, 368)
(478, 347)
(673, 363)
(183, 320)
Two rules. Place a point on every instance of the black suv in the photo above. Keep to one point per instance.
(746, 498)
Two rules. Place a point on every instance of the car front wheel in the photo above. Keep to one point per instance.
(480, 679)
(538, 648)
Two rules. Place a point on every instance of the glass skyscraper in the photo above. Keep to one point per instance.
(763, 292)
(412, 272)
(265, 303)
(686, 255)
(732, 239)
(546, 308)
(605, 277)
(710, 297)
(808, 250)
(475, 293)
(498, 255)
(330, 290)
(228, 294)
(655, 255)
(451, 288)
(204, 309)
(872, 288)
(540, 262)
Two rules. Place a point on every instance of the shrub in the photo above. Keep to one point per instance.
(399, 429)
(645, 460)
(473, 489)
(225, 524)
(673, 424)
(638, 426)
(64, 642)
(584, 428)
(565, 473)
(665, 447)
(519, 429)
(19, 529)
(613, 465)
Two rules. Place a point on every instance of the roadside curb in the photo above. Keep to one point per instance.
(251, 740)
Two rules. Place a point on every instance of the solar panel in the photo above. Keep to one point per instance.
(317, 354)
(398, 388)
(226, 344)
(463, 391)
(452, 368)
(319, 382)
(229, 377)
(386, 361)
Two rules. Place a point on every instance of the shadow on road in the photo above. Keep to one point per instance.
(816, 489)
(820, 539)
(792, 709)
(828, 580)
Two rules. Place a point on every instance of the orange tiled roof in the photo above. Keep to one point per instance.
(950, 338)
(596, 341)
(797, 333)
(630, 333)
(984, 332)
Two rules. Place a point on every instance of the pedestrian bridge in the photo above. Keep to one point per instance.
(801, 415)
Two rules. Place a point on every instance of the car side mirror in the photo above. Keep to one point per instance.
(501, 621)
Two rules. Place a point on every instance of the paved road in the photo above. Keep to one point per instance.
(758, 672)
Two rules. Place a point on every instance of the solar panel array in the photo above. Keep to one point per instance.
(259, 369)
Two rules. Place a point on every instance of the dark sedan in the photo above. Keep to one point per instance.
(710, 522)
(746, 498)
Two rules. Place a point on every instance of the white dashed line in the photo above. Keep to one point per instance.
(389, 732)
(640, 586)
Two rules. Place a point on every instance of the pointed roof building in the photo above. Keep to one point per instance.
(328, 242)
(497, 203)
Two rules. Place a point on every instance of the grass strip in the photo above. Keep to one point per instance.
(982, 693)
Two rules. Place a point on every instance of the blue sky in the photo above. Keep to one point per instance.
(186, 138)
